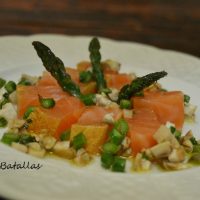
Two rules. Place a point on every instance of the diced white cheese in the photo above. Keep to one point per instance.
(8, 111)
(108, 118)
(114, 94)
(190, 109)
(101, 100)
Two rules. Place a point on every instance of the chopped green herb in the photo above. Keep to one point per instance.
(186, 98)
(139, 94)
(85, 76)
(10, 86)
(3, 102)
(106, 90)
(107, 160)
(125, 104)
(25, 139)
(3, 122)
(88, 99)
(122, 126)
(29, 111)
(119, 164)
(47, 102)
(8, 138)
(2, 82)
(6, 95)
(24, 82)
(79, 141)
(65, 135)
(194, 141)
(116, 137)
(144, 156)
(177, 134)
(172, 129)
(110, 148)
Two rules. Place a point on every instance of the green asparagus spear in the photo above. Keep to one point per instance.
(139, 84)
(57, 69)
(95, 58)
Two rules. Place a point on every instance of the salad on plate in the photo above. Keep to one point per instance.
(94, 111)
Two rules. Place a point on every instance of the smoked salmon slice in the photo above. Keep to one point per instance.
(142, 127)
(28, 96)
(168, 106)
(95, 115)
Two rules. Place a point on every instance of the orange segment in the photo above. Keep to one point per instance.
(58, 119)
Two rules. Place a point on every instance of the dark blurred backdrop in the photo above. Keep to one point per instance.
(171, 24)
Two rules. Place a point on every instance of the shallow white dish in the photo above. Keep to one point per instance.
(57, 179)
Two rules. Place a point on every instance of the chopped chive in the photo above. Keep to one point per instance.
(2, 82)
(193, 140)
(110, 148)
(106, 90)
(28, 112)
(88, 99)
(25, 139)
(144, 156)
(186, 98)
(125, 104)
(47, 102)
(116, 137)
(10, 86)
(122, 126)
(65, 135)
(6, 95)
(172, 129)
(177, 134)
(85, 76)
(3, 102)
(8, 138)
(107, 160)
(3, 122)
(119, 164)
(139, 94)
(79, 141)
(24, 82)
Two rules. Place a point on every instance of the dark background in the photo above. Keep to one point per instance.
(171, 24)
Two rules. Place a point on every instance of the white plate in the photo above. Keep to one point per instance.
(57, 179)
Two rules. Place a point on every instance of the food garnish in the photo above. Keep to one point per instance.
(95, 58)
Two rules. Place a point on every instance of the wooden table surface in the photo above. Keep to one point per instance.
(171, 24)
